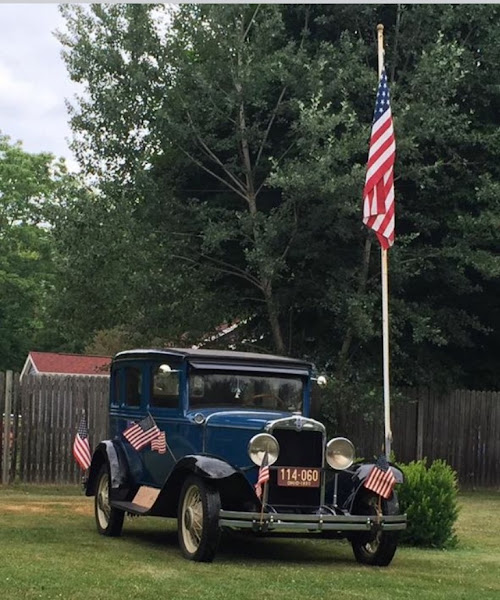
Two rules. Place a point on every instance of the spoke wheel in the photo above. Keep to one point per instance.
(109, 520)
(198, 519)
(376, 547)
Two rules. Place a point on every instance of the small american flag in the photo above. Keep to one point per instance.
(381, 479)
(263, 476)
(142, 433)
(81, 446)
(159, 443)
(378, 193)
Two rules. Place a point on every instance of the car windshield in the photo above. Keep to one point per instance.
(263, 391)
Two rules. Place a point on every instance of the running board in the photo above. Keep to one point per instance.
(141, 504)
(130, 507)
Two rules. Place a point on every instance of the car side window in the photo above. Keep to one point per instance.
(117, 387)
(164, 387)
(133, 386)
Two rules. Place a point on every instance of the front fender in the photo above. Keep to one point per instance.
(363, 469)
(360, 474)
(231, 483)
(110, 452)
(208, 467)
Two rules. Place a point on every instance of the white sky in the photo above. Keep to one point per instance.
(33, 79)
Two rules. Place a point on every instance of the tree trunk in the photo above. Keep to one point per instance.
(346, 345)
(272, 312)
(265, 280)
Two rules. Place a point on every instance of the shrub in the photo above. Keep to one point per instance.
(429, 497)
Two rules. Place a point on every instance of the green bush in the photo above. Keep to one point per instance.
(429, 497)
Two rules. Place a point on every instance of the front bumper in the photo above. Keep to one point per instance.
(311, 523)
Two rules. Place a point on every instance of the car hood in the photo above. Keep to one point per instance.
(241, 418)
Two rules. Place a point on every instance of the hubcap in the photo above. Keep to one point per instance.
(192, 519)
(373, 544)
(103, 508)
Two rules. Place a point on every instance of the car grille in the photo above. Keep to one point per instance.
(297, 449)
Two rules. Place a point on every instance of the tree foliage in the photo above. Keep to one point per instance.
(227, 145)
(29, 184)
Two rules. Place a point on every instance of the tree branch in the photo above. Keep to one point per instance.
(396, 39)
(292, 236)
(213, 174)
(251, 22)
(222, 267)
(269, 125)
(213, 156)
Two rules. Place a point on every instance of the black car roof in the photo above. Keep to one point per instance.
(213, 356)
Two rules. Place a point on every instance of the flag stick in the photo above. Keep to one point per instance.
(385, 295)
(263, 502)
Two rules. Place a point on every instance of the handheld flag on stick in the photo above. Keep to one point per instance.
(378, 193)
(381, 479)
(143, 433)
(81, 446)
(263, 476)
(159, 443)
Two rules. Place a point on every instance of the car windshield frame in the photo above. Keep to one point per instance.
(230, 389)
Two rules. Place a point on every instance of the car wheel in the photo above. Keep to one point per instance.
(198, 519)
(376, 547)
(109, 520)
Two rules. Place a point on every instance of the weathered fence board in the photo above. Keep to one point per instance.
(2, 410)
(461, 427)
(50, 408)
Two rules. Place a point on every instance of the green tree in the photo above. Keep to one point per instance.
(229, 148)
(29, 184)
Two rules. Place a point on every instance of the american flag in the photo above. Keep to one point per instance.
(263, 476)
(159, 443)
(378, 193)
(81, 446)
(381, 479)
(142, 433)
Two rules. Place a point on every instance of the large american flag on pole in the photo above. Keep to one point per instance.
(81, 446)
(378, 193)
(143, 433)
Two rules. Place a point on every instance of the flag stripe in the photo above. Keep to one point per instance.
(263, 475)
(81, 446)
(142, 433)
(381, 482)
(378, 192)
(159, 443)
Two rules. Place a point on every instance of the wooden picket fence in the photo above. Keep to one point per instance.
(40, 419)
(41, 416)
(461, 427)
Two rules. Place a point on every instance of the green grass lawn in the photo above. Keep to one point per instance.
(50, 549)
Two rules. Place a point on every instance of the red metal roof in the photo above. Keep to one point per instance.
(75, 364)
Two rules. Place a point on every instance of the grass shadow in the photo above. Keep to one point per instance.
(237, 547)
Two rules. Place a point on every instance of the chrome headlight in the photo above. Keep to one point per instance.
(262, 444)
(340, 453)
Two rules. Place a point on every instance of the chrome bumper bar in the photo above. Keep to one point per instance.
(311, 523)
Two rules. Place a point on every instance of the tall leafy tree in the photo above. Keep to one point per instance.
(29, 184)
(229, 147)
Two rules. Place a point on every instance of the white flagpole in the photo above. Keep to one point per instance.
(385, 295)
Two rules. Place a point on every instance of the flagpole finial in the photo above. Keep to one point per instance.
(380, 48)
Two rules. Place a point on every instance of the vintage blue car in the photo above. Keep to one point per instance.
(221, 439)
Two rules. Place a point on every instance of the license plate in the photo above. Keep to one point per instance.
(298, 477)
